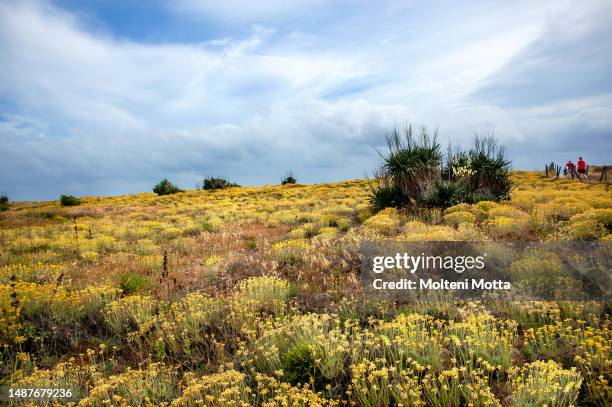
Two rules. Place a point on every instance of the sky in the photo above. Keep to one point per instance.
(108, 97)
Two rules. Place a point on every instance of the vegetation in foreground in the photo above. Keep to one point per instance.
(250, 296)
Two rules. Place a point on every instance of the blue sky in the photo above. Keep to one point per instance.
(108, 97)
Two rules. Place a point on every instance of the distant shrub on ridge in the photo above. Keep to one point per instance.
(69, 200)
(4, 203)
(165, 187)
(289, 179)
(217, 183)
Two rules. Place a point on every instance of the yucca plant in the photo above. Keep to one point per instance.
(442, 194)
(413, 175)
(385, 194)
(413, 162)
(490, 169)
(289, 179)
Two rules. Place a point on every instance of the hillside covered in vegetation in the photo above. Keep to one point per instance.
(251, 296)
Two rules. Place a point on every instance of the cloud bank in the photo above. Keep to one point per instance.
(87, 109)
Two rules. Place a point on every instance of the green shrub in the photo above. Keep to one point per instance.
(251, 244)
(299, 366)
(4, 203)
(69, 200)
(165, 187)
(131, 282)
(217, 183)
(207, 226)
(212, 224)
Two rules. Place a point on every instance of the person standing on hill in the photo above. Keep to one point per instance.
(582, 168)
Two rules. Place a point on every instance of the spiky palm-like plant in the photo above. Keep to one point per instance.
(442, 194)
(413, 162)
(385, 194)
(490, 169)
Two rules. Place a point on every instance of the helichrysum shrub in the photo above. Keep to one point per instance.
(457, 218)
(220, 389)
(374, 383)
(562, 209)
(156, 384)
(128, 313)
(586, 230)
(458, 387)
(483, 341)
(386, 222)
(264, 289)
(415, 337)
(290, 251)
(544, 383)
(508, 228)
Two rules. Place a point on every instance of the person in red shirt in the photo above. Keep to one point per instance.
(581, 167)
(568, 168)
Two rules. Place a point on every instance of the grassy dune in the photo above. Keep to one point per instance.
(251, 296)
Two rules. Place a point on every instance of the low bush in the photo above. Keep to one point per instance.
(504, 227)
(165, 187)
(386, 222)
(457, 218)
(131, 282)
(4, 203)
(270, 292)
(69, 200)
(544, 384)
(299, 365)
(217, 183)
(602, 216)
(586, 230)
